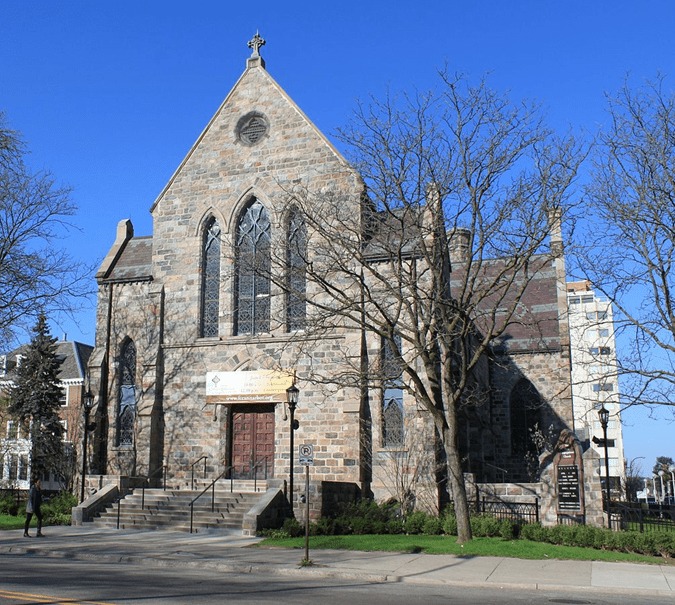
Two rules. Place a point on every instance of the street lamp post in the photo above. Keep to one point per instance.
(603, 414)
(663, 493)
(87, 406)
(671, 468)
(292, 394)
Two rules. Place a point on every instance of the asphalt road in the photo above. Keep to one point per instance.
(30, 579)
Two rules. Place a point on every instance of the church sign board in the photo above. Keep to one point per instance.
(259, 386)
(569, 475)
(569, 494)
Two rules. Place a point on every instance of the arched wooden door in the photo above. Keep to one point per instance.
(252, 441)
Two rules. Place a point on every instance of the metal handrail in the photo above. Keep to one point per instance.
(255, 476)
(499, 468)
(150, 476)
(212, 487)
(192, 469)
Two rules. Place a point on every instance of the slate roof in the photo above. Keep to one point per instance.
(134, 262)
(75, 357)
(392, 234)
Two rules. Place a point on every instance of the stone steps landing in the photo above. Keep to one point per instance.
(170, 509)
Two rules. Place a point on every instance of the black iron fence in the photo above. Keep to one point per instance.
(643, 517)
(519, 512)
(571, 519)
(625, 515)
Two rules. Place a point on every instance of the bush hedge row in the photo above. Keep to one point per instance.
(367, 517)
(55, 511)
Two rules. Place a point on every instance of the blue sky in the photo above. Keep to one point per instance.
(110, 96)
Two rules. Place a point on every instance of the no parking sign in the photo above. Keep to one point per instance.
(306, 454)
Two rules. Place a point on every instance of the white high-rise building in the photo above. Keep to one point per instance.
(594, 378)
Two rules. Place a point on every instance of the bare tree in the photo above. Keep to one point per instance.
(634, 481)
(461, 190)
(629, 246)
(35, 274)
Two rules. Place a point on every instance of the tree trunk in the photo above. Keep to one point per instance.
(456, 479)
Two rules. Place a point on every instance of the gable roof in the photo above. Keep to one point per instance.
(254, 76)
(134, 262)
(74, 355)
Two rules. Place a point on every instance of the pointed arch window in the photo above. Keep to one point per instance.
(525, 415)
(296, 266)
(210, 301)
(126, 409)
(253, 263)
(392, 391)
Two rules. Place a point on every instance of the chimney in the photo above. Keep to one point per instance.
(555, 230)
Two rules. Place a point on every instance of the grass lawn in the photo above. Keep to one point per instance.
(10, 522)
(442, 545)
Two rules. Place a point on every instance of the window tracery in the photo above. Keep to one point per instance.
(210, 301)
(126, 410)
(253, 263)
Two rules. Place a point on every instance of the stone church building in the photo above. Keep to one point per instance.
(196, 343)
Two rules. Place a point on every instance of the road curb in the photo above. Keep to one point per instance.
(314, 571)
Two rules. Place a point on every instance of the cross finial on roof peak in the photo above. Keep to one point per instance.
(255, 44)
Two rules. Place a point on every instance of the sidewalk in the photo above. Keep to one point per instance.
(232, 552)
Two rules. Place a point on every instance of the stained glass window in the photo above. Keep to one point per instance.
(296, 306)
(392, 388)
(210, 280)
(525, 407)
(126, 413)
(253, 261)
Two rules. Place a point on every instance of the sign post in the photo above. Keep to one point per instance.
(306, 458)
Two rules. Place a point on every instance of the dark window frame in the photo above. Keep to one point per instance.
(253, 260)
(393, 427)
(126, 399)
(296, 271)
(209, 325)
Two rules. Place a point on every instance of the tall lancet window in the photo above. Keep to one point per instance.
(392, 391)
(210, 280)
(253, 263)
(126, 409)
(296, 260)
(526, 417)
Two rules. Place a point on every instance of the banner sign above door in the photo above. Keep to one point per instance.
(259, 386)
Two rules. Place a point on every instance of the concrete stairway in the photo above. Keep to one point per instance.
(170, 509)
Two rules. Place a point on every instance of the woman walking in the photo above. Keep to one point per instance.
(33, 508)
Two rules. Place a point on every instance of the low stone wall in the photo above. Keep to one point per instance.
(94, 504)
(102, 490)
(269, 512)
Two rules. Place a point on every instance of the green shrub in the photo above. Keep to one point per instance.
(369, 509)
(8, 505)
(367, 517)
(556, 534)
(292, 528)
(395, 526)
(414, 522)
(433, 526)
(485, 526)
(534, 532)
(450, 524)
(58, 510)
(361, 526)
(664, 544)
(508, 529)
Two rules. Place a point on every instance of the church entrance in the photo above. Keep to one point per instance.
(252, 441)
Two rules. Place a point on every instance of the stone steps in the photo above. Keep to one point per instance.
(170, 509)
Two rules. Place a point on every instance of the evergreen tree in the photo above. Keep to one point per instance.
(35, 399)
